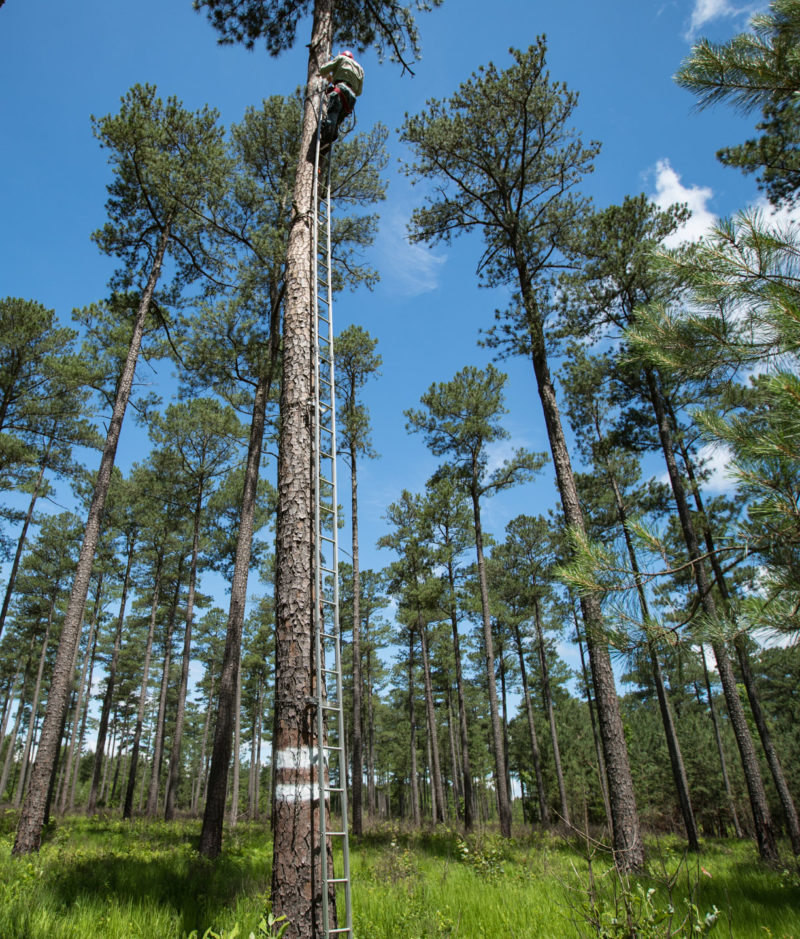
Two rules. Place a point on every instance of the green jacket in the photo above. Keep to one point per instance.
(344, 69)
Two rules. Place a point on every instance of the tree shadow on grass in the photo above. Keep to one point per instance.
(190, 888)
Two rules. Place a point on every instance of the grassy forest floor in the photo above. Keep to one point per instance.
(106, 878)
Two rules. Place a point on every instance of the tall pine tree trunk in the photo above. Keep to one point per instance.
(237, 744)
(161, 718)
(296, 886)
(673, 744)
(544, 812)
(773, 760)
(430, 713)
(547, 697)
(358, 745)
(12, 577)
(627, 838)
(26, 752)
(416, 815)
(720, 750)
(214, 811)
(29, 830)
(82, 690)
(762, 820)
(173, 777)
(503, 803)
(127, 810)
(84, 717)
(108, 698)
(469, 795)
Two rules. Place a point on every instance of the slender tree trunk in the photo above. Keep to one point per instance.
(237, 745)
(84, 717)
(720, 749)
(29, 830)
(255, 756)
(503, 804)
(773, 761)
(673, 745)
(416, 816)
(26, 753)
(161, 719)
(108, 698)
(627, 838)
(430, 713)
(202, 775)
(544, 812)
(214, 811)
(371, 803)
(457, 794)
(127, 810)
(469, 795)
(547, 697)
(82, 689)
(504, 711)
(358, 746)
(12, 577)
(762, 819)
(598, 749)
(173, 776)
(9, 758)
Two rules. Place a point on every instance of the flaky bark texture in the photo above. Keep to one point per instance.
(29, 830)
(296, 887)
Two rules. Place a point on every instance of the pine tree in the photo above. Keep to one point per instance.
(461, 418)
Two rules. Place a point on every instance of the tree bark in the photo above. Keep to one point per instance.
(547, 697)
(296, 886)
(503, 804)
(544, 812)
(108, 698)
(237, 724)
(720, 750)
(12, 577)
(173, 776)
(773, 760)
(23, 772)
(762, 819)
(65, 795)
(201, 789)
(627, 838)
(158, 743)
(416, 815)
(127, 810)
(673, 744)
(469, 794)
(430, 713)
(214, 811)
(9, 758)
(358, 745)
(84, 717)
(29, 830)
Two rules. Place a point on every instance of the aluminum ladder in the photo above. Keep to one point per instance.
(331, 761)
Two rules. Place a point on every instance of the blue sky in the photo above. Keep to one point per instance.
(61, 63)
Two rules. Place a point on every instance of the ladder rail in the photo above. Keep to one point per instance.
(326, 513)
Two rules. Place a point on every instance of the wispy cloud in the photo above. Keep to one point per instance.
(410, 269)
(669, 190)
(704, 11)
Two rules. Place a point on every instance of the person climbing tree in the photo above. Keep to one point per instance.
(346, 79)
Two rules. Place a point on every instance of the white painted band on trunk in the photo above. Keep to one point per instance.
(296, 758)
(291, 792)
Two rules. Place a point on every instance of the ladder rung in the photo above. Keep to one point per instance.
(333, 789)
(330, 707)
(335, 880)
(330, 746)
(332, 932)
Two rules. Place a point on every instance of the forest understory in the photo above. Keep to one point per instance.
(105, 877)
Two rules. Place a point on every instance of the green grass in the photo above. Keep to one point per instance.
(105, 878)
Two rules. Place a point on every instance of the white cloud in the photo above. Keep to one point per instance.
(717, 458)
(706, 10)
(411, 269)
(669, 190)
